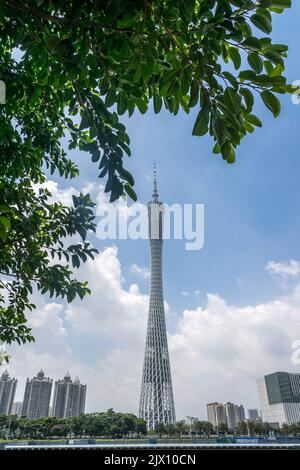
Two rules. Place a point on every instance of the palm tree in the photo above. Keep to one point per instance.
(208, 428)
(170, 429)
(160, 428)
(180, 428)
(242, 428)
(223, 428)
(199, 427)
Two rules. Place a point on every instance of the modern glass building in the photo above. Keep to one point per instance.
(69, 397)
(37, 396)
(279, 396)
(8, 387)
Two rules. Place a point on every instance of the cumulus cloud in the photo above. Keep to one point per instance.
(100, 339)
(220, 350)
(284, 271)
(217, 350)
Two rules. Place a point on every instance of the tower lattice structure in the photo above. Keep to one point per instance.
(156, 400)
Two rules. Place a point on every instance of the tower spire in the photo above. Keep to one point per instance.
(155, 193)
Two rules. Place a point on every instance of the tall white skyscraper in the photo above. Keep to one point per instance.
(69, 397)
(279, 397)
(37, 396)
(156, 400)
(8, 387)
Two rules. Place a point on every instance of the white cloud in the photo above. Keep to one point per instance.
(63, 195)
(291, 269)
(220, 350)
(140, 271)
(100, 339)
(185, 293)
(217, 351)
(195, 293)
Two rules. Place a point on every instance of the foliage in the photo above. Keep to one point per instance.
(180, 428)
(203, 428)
(71, 69)
(253, 428)
(223, 428)
(106, 424)
(32, 248)
(160, 428)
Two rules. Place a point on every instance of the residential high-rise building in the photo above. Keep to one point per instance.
(231, 414)
(211, 414)
(240, 413)
(37, 396)
(8, 387)
(253, 414)
(156, 399)
(228, 413)
(216, 413)
(17, 408)
(69, 397)
(279, 396)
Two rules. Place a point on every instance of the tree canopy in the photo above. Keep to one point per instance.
(103, 424)
(71, 69)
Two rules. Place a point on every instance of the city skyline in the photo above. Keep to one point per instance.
(278, 394)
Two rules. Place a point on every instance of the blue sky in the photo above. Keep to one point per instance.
(251, 207)
(242, 320)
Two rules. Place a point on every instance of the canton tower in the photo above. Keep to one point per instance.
(156, 401)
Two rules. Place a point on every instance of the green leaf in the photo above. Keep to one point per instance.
(248, 97)
(85, 121)
(235, 57)
(248, 75)
(110, 98)
(130, 192)
(281, 3)
(252, 43)
(271, 101)
(194, 97)
(142, 105)
(232, 100)
(228, 153)
(232, 79)
(126, 175)
(220, 129)
(274, 57)
(96, 156)
(255, 62)
(201, 123)
(261, 22)
(157, 103)
(254, 120)
(5, 222)
(121, 103)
